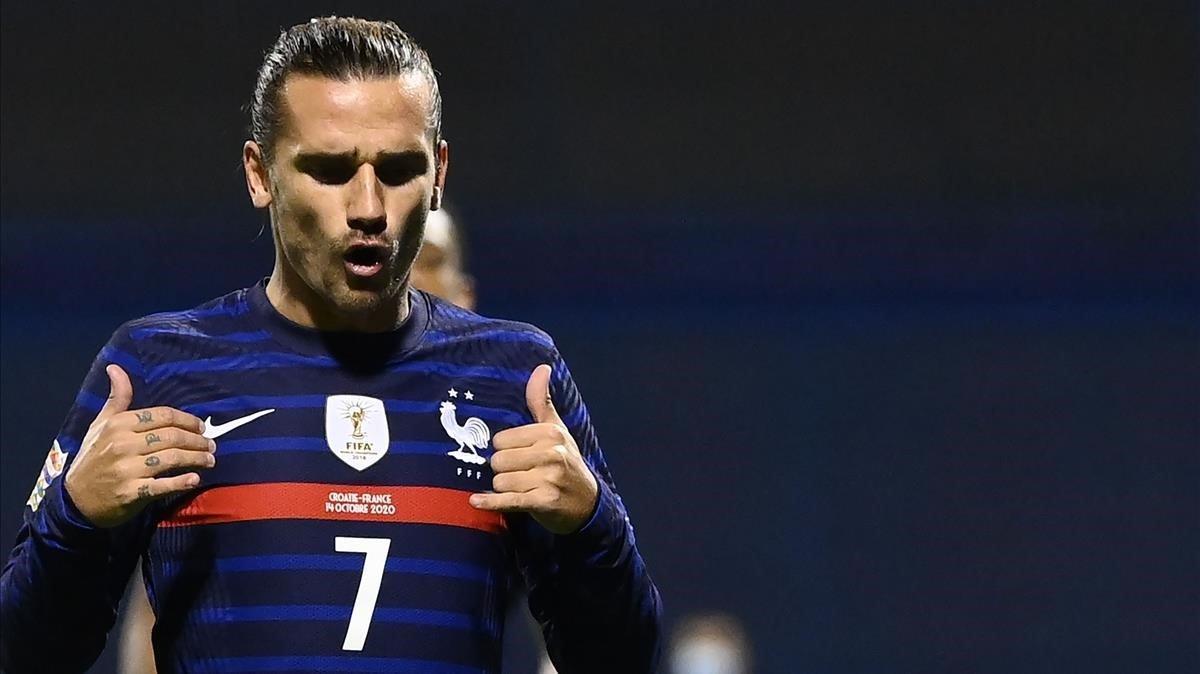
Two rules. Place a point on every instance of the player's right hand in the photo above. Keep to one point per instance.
(124, 453)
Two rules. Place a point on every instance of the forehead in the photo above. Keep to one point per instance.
(370, 115)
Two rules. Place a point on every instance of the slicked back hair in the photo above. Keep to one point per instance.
(340, 48)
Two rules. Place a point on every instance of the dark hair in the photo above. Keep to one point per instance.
(341, 48)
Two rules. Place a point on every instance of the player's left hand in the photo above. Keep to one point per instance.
(538, 468)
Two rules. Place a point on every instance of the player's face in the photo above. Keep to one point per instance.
(352, 180)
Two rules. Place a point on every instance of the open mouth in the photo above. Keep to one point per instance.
(365, 261)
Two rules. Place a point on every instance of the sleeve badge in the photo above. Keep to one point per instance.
(56, 460)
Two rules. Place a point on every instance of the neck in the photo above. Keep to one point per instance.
(300, 304)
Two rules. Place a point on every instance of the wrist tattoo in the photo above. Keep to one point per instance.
(152, 438)
(145, 417)
(152, 461)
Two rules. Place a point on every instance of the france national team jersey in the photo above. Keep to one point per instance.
(334, 533)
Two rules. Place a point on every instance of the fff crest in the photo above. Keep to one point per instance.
(356, 429)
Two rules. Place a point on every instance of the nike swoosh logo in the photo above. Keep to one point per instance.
(215, 431)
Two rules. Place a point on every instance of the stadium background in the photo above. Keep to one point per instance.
(887, 314)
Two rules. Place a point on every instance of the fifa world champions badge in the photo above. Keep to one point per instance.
(356, 429)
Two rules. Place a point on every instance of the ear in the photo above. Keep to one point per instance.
(258, 180)
(439, 175)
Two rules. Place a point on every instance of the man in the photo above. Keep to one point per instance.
(438, 270)
(709, 643)
(331, 512)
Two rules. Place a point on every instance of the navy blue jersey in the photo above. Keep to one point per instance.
(334, 533)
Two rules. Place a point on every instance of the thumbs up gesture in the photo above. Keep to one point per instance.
(116, 472)
(538, 468)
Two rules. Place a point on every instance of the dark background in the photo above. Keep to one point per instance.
(888, 315)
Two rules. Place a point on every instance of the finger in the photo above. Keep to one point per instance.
(508, 502)
(518, 482)
(527, 436)
(525, 458)
(158, 487)
(163, 417)
(120, 393)
(171, 460)
(537, 396)
(163, 438)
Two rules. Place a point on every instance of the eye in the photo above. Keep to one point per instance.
(330, 173)
(396, 171)
(327, 169)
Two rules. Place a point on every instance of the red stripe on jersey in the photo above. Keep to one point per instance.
(307, 501)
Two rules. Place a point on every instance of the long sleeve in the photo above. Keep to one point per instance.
(590, 591)
(60, 588)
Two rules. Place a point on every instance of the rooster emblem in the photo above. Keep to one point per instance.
(470, 436)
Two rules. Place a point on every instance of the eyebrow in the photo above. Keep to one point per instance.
(304, 158)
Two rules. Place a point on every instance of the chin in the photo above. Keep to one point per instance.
(358, 301)
(365, 300)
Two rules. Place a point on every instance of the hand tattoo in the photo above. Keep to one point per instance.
(152, 438)
(152, 461)
(145, 417)
(144, 491)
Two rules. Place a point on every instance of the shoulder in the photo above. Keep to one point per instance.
(452, 325)
(219, 317)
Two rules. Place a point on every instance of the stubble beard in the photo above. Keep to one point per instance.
(362, 299)
(365, 302)
(355, 301)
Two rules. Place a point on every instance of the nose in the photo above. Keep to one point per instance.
(365, 211)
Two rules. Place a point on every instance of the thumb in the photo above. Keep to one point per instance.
(120, 392)
(537, 396)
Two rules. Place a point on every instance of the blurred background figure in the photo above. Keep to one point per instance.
(701, 643)
(709, 643)
(440, 268)
(135, 650)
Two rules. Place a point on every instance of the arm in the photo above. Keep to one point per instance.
(58, 590)
(84, 525)
(588, 585)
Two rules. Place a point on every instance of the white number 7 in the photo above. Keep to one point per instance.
(376, 550)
